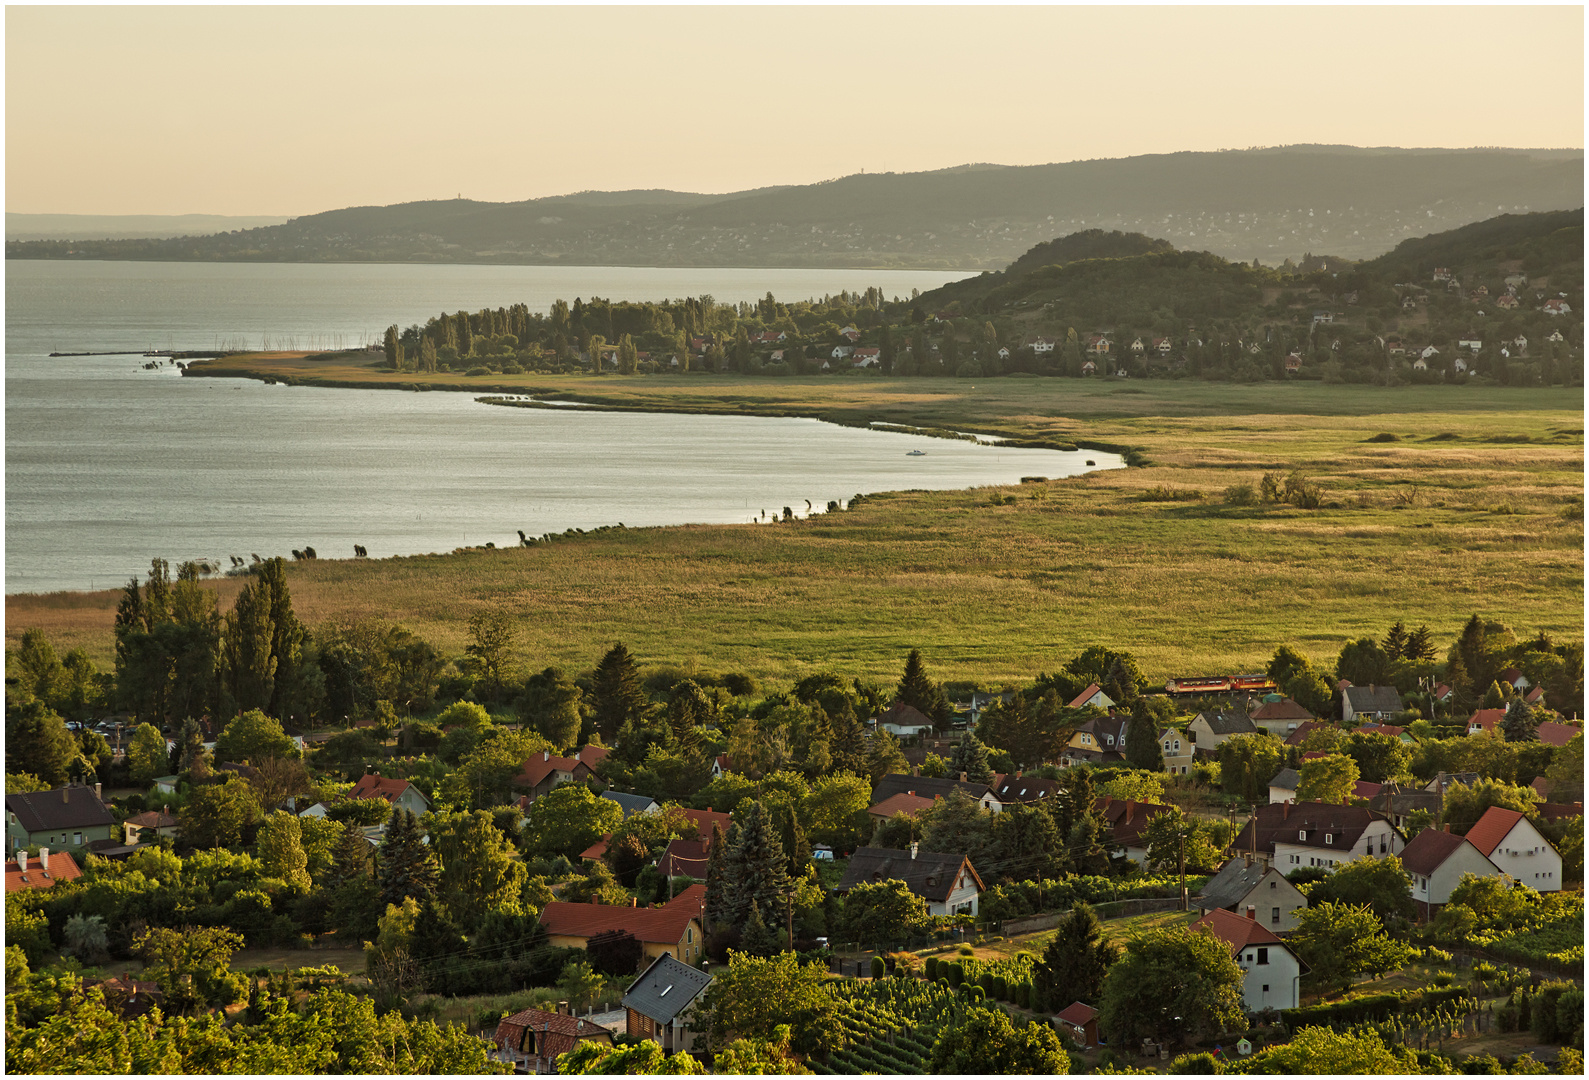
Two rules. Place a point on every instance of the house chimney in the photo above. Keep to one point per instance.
(22, 859)
(1285, 810)
(915, 770)
(708, 809)
(166, 809)
(914, 847)
(66, 794)
(369, 770)
(98, 791)
(546, 755)
(1448, 826)
(962, 778)
(1248, 860)
(1131, 810)
(634, 901)
(562, 1008)
(1252, 912)
(44, 861)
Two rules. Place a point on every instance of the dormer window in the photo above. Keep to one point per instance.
(1302, 834)
(1329, 838)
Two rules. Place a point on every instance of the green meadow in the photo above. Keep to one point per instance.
(1436, 502)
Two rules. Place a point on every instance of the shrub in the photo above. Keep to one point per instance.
(1241, 495)
(966, 950)
(879, 968)
(957, 975)
(1203, 1064)
(478, 370)
(1001, 988)
(1443, 979)
(932, 968)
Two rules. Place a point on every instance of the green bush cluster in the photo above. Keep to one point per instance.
(1365, 1007)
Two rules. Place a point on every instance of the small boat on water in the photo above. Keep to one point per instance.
(915, 453)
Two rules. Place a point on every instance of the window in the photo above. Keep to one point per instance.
(1274, 916)
(77, 839)
(1382, 843)
(1370, 849)
(1329, 838)
(1266, 988)
(1302, 834)
(1263, 956)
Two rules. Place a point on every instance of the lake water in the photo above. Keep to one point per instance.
(109, 465)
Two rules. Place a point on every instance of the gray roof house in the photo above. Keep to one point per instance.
(1363, 704)
(947, 882)
(1208, 729)
(933, 787)
(661, 1001)
(68, 817)
(632, 804)
(1253, 889)
(1284, 785)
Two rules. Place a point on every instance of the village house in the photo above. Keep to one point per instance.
(1510, 841)
(1272, 974)
(1091, 697)
(947, 882)
(1364, 704)
(395, 792)
(1392, 730)
(1128, 820)
(935, 787)
(1043, 345)
(1317, 834)
(1438, 859)
(867, 357)
(906, 802)
(1293, 362)
(1098, 345)
(661, 1003)
(1023, 789)
(1251, 888)
(686, 858)
(1089, 368)
(901, 719)
(1176, 749)
(1556, 306)
(1300, 735)
(670, 930)
(1137, 347)
(1208, 729)
(1280, 718)
(1397, 802)
(67, 817)
(147, 826)
(632, 804)
(1099, 740)
(41, 872)
(533, 1039)
(541, 774)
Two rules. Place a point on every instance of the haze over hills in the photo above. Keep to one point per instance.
(1269, 204)
(125, 226)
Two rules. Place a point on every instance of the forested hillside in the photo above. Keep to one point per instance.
(1270, 204)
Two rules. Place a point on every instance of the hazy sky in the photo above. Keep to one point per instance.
(277, 110)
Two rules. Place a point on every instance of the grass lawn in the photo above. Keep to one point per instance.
(1470, 509)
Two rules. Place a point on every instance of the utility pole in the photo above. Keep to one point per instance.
(1182, 839)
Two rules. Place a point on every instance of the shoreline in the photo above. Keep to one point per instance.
(1132, 456)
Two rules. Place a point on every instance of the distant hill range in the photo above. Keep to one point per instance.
(1268, 204)
(127, 226)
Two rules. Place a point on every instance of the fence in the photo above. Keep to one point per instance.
(1108, 909)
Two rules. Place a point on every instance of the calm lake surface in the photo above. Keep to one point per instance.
(109, 465)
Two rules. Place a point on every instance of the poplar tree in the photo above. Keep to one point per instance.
(248, 666)
(279, 849)
(427, 354)
(1142, 739)
(619, 695)
(465, 335)
(394, 349)
(287, 636)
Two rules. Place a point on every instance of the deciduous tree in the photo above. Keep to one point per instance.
(1170, 986)
(1339, 942)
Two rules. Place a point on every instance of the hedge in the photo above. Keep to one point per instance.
(1368, 1007)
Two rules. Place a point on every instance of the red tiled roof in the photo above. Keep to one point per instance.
(1365, 789)
(705, 819)
(686, 858)
(1285, 709)
(1534, 695)
(1556, 811)
(593, 755)
(62, 868)
(1380, 729)
(1492, 828)
(1554, 734)
(1128, 818)
(537, 769)
(598, 849)
(1236, 931)
(1486, 719)
(663, 925)
(373, 786)
(1079, 1014)
(692, 899)
(558, 1034)
(1075, 702)
(906, 802)
(1425, 852)
(1304, 729)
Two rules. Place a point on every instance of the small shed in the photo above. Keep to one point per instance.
(1080, 1021)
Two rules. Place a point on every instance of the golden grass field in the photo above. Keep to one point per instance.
(1000, 592)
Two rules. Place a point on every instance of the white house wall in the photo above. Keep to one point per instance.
(1528, 858)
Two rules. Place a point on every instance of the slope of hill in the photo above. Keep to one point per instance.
(1539, 243)
(128, 226)
(1270, 204)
